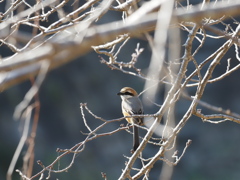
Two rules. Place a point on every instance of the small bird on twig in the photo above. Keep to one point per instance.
(131, 105)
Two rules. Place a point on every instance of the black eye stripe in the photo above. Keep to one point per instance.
(128, 93)
(125, 93)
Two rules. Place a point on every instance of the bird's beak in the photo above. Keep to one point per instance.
(119, 93)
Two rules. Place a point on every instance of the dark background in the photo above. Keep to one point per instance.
(213, 154)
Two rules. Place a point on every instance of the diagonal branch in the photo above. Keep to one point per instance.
(23, 65)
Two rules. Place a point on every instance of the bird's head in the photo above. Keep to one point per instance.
(127, 92)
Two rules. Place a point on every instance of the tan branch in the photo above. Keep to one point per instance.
(206, 118)
(59, 53)
(212, 107)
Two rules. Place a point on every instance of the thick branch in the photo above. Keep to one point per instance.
(63, 52)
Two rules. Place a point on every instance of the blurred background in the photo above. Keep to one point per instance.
(213, 154)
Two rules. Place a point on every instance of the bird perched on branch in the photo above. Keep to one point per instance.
(131, 105)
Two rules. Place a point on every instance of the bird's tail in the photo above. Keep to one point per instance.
(135, 138)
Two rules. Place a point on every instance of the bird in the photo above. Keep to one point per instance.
(132, 105)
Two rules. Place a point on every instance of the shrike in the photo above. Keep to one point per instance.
(131, 105)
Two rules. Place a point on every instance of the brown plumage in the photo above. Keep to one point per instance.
(131, 105)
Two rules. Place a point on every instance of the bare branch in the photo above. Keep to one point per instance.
(206, 118)
(22, 141)
(76, 30)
